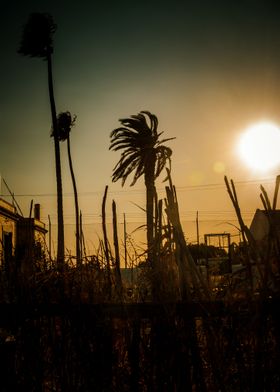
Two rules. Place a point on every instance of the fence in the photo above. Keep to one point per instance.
(140, 347)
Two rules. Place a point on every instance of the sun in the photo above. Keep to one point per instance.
(259, 146)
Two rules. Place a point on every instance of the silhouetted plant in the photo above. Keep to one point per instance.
(37, 41)
(64, 123)
(144, 154)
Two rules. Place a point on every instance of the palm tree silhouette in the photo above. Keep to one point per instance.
(144, 154)
(37, 41)
(64, 124)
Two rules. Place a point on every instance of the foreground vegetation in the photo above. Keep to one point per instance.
(80, 329)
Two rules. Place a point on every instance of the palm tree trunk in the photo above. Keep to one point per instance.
(78, 252)
(150, 195)
(150, 220)
(60, 231)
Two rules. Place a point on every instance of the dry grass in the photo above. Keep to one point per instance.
(79, 329)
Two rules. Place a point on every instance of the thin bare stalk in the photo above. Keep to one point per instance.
(247, 236)
(276, 190)
(117, 252)
(106, 242)
(266, 198)
(78, 249)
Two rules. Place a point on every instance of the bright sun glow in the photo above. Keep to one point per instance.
(259, 146)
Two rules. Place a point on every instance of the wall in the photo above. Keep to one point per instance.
(8, 220)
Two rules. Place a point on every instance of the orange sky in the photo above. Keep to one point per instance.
(206, 70)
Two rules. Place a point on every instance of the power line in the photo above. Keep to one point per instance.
(143, 222)
(141, 191)
(225, 215)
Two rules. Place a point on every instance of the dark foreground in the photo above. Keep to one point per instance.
(140, 347)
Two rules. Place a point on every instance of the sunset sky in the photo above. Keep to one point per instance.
(207, 69)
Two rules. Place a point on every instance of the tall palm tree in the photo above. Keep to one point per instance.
(144, 154)
(64, 124)
(37, 41)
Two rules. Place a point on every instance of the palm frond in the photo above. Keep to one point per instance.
(65, 121)
(37, 36)
(140, 170)
(120, 131)
(165, 140)
(153, 120)
(138, 125)
(138, 138)
(163, 154)
(124, 167)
